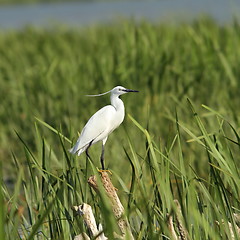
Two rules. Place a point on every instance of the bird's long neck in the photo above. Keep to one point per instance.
(117, 103)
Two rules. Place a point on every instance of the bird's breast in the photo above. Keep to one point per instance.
(117, 118)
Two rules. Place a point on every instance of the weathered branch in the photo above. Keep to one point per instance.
(117, 206)
(236, 218)
(82, 236)
(171, 228)
(182, 230)
(85, 210)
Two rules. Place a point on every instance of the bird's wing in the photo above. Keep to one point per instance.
(96, 125)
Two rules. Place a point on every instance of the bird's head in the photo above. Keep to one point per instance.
(119, 90)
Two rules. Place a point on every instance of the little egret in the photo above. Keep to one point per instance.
(102, 123)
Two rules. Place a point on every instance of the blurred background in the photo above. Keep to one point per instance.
(17, 14)
(54, 52)
(175, 52)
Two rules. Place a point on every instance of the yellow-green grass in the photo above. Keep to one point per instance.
(180, 138)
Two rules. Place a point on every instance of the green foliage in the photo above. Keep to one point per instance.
(180, 141)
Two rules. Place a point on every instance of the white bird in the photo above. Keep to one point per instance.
(102, 123)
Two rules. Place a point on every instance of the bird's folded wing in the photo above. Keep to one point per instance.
(97, 125)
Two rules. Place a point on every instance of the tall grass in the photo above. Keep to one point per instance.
(180, 141)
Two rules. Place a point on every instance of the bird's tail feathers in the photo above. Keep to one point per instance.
(72, 150)
(76, 150)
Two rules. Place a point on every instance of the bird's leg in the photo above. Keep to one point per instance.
(88, 148)
(102, 162)
(102, 157)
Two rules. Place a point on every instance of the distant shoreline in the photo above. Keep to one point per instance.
(78, 14)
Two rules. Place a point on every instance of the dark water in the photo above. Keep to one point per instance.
(81, 14)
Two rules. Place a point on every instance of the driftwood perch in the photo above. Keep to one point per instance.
(117, 206)
(183, 234)
(85, 210)
(171, 228)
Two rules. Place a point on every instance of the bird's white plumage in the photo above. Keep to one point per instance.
(97, 128)
(103, 122)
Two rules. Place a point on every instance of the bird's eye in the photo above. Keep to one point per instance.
(119, 89)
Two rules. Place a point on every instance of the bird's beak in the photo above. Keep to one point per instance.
(130, 90)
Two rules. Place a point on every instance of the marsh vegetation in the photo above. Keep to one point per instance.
(180, 138)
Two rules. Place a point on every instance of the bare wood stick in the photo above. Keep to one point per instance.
(82, 236)
(85, 210)
(230, 228)
(182, 230)
(117, 206)
(171, 228)
(236, 217)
